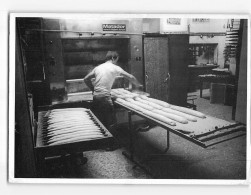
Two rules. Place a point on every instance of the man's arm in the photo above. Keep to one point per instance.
(131, 78)
(88, 81)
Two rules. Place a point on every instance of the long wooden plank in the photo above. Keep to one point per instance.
(164, 125)
(202, 126)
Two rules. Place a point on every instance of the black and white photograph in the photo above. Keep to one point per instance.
(131, 98)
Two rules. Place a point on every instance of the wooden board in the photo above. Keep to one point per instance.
(80, 97)
(202, 129)
(203, 125)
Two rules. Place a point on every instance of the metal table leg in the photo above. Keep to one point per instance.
(130, 126)
(201, 87)
(162, 154)
(131, 155)
(131, 147)
(167, 141)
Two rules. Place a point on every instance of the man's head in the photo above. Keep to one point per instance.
(112, 56)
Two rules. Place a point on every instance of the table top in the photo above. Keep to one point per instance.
(204, 125)
(202, 66)
(219, 78)
(210, 126)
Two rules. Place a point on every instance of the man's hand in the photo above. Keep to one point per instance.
(132, 79)
(139, 87)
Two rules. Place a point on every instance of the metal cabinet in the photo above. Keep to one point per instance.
(166, 67)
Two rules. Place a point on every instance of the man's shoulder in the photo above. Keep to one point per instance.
(119, 69)
(103, 64)
(111, 66)
(99, 66)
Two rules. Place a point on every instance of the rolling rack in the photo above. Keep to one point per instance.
(43, 150)
(219, 131)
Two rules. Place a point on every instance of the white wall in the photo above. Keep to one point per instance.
(211, 25)
(166, 27)
(94, 24)
(151, 25)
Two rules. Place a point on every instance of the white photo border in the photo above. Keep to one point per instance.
(12, 45)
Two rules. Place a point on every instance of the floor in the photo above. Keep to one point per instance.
(184, 160)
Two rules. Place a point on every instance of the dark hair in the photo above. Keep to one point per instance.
(111, 55)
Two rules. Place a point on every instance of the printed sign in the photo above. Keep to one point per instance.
(114, 27)
(175, 21)
(201, 19)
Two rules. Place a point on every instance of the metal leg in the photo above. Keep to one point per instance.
(130, 126)
(201, 88)
(131, 155)
(167, 141)
(151, 157)
(131, 148)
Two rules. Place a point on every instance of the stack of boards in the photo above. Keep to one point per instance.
(61, 126)
(157, 109)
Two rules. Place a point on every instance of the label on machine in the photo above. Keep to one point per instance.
(114, 27)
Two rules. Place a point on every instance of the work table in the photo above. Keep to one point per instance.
(194, 71)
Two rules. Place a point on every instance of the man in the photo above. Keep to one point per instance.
(100, 81)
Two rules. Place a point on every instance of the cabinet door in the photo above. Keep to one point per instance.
(156, 67)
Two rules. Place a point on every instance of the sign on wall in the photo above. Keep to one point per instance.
(174, 25)
(201, 20)
(174, 21)
(114, 27)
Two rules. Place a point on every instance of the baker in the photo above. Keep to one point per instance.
(100, 81)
